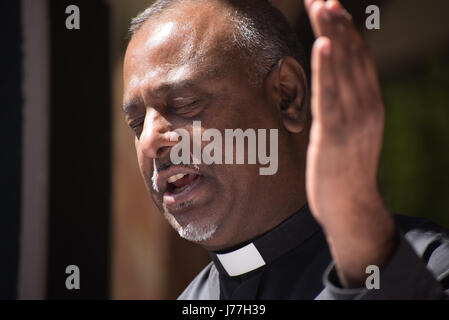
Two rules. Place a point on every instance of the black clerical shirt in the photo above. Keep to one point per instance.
(292, 261)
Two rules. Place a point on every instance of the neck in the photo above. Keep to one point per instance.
(250, 223)
(273, 199)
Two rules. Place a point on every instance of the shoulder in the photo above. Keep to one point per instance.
(203, 285)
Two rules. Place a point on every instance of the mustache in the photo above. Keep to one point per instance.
(166, 166)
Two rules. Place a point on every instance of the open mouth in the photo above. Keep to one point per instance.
(179, 182)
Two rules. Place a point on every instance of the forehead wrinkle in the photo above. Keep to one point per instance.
(156, 83)
(174, 86)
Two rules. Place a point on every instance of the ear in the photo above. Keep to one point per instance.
(287, 87)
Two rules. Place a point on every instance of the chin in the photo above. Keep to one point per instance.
(198, 233)
(195, 224)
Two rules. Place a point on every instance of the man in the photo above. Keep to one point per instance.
(237, 64)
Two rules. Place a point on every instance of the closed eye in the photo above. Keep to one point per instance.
(188, 109)
(137, 126)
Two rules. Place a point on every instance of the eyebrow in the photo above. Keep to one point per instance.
(130, 107)
(170, 89)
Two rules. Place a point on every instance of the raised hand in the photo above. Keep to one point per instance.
(345, 144)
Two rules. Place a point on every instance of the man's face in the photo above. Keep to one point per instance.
(175, 73)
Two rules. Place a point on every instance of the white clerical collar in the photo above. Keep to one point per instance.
(268, 247)
(242, 260)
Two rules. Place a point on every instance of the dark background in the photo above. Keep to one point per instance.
(79, 202)
(11, 139)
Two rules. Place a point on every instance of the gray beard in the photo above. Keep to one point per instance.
(195, 233)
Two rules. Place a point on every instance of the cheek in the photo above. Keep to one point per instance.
(236, 181)
(145, 164)
(140, 157)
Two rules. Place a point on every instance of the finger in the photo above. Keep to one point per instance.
(325, 107)
(365, 80)
(330, 17)
(333, 22)
(317, 12)
(358, 81)
(341, 25)
(337, 9)
(308, 4)
(354, 65)
(326, 24)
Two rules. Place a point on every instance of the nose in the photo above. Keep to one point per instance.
(155, 139)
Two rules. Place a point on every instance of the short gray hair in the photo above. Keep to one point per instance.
(261, 32)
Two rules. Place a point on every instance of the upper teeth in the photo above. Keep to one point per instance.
(176, 177)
